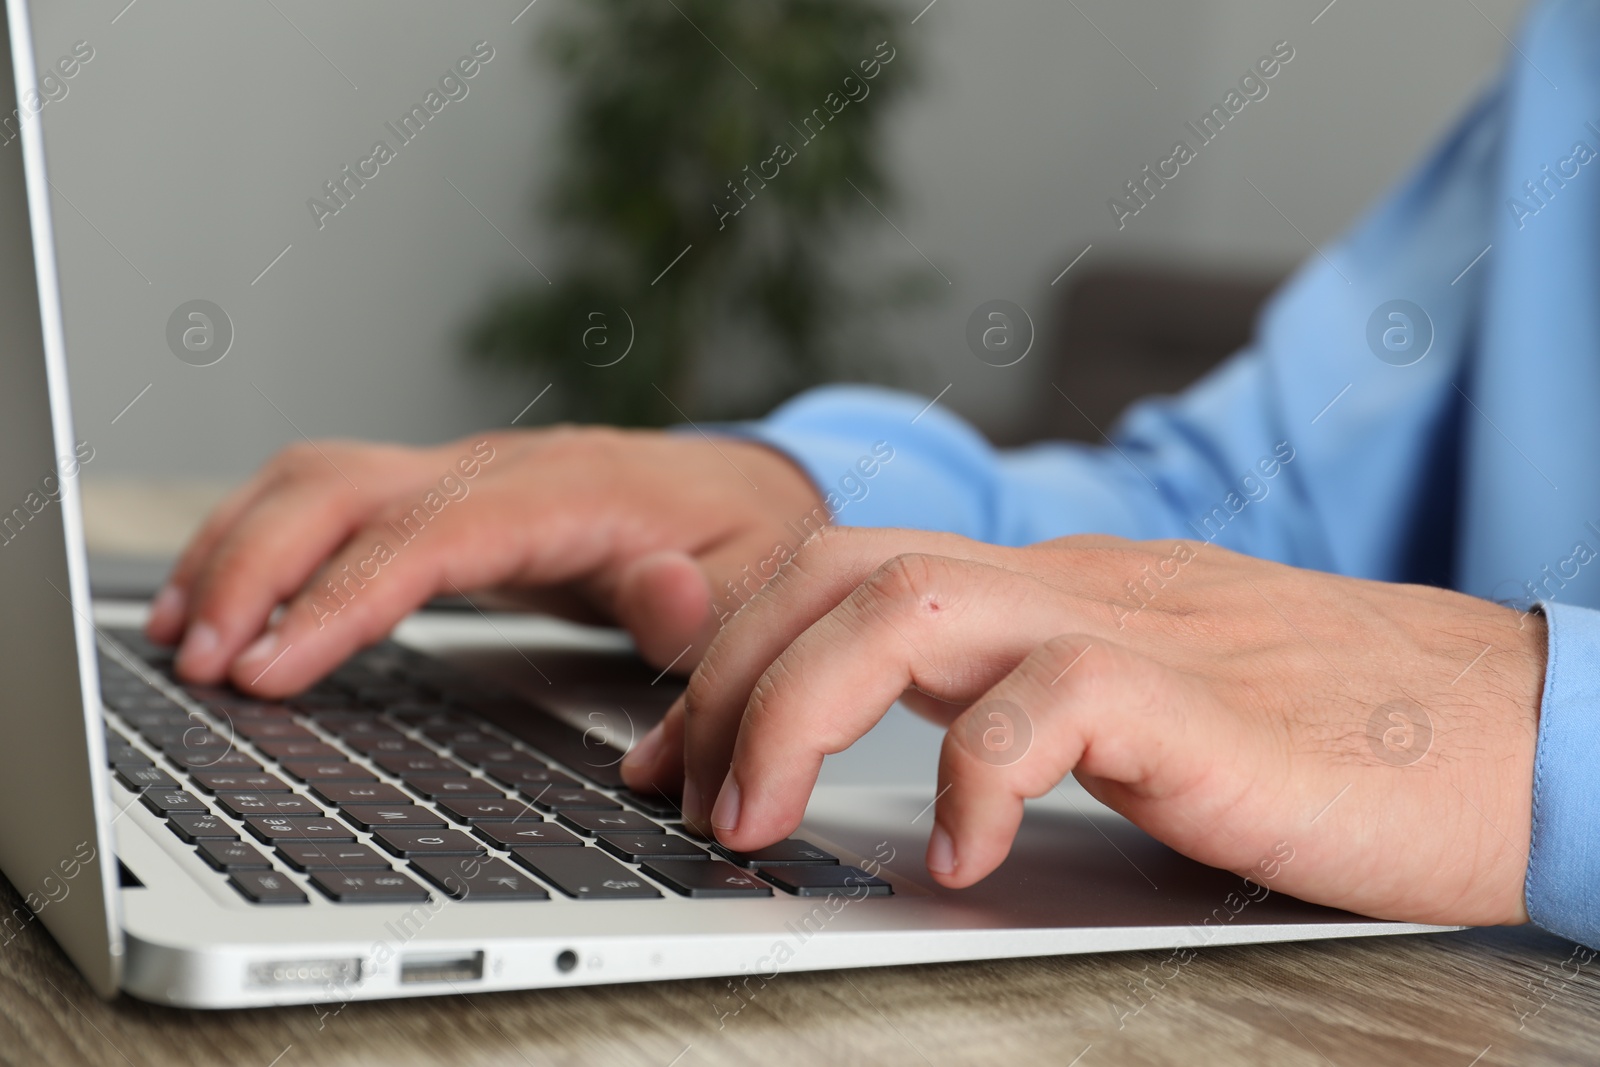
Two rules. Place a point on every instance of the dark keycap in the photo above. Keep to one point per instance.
(427, 842)
(267, 887)
(530, 778)
(790, 853)
(165, 802)
(120, 752)
(237, 782)
(381, 693)
(147, 777)
(495, 754)
(499, 809)
(169, 735)
(331, 770)
(457, 738)
(713, 879)
(238, 709)
(662, 807)
(193, 827)
(214, 761)
(403, 765)
(274, 828)
(357, 726)
(556, 799)
(367, 887)
(299, 750)
(471, 878)
(519, 834)
(436, 787)
(340, 793)
(272, 730)
(305, 855)
(376, 816)
(585, 873)
(608, 822)
(826, 881)
(232, 855)
(636, 848)
(241, 804)
(396, 745)
(419, 711)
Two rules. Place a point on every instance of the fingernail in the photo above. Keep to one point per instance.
(167, 608)
(941, 851)
(261, 649)
(725, 816)
(694, 806)
(199, 642)
(641, 758)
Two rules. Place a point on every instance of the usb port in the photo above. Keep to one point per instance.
(441, 967)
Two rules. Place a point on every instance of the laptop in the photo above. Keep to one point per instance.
(425, 824)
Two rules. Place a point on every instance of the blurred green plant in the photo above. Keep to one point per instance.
(676, 113)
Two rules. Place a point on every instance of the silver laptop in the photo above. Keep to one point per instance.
(422, 824)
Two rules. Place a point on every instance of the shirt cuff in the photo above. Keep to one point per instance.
(1563, 861)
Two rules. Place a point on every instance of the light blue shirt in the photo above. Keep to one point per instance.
(1467, 456)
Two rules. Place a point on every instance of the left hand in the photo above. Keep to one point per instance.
(1224, 704)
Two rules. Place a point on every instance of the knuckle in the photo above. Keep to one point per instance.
(910, 581)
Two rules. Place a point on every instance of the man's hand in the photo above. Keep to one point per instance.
(1226, 705)
(635, 528)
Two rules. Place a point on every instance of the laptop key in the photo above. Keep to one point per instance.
(165, 802)
(299, 750)
(530, 778)
(656, 804)
(239, 782)
(409, 843)
(382, 745)
(436, 787)
(416, 763)
(232, 760)
(498, 809)
(306, 855)
(377, 816)
(826, 881)
(241, 804)
(340, 770)
(590, 823)
(232, 855)
(194, 827)
(585, 873)
(367, 887)
(150, 776)
(469, 878)
(274, 729)
(341, 793)
(498, 754)
(636, 848)
(267, 887)
(525, 834)
(271, 829)
(790, 853)
(570, 800)
(120, 752)
(697, 879)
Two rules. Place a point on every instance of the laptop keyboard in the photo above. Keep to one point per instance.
(399, 777)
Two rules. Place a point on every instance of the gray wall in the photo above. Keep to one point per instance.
(189, 145)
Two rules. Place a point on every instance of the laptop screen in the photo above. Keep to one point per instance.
(52, 778)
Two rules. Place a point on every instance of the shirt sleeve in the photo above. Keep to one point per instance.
(1564, 858)
(1308, 447)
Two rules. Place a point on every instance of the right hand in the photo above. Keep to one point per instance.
(639, 528)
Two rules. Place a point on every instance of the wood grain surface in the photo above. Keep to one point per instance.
(1469, 999)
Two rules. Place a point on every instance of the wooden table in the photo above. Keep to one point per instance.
(1469, 999)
